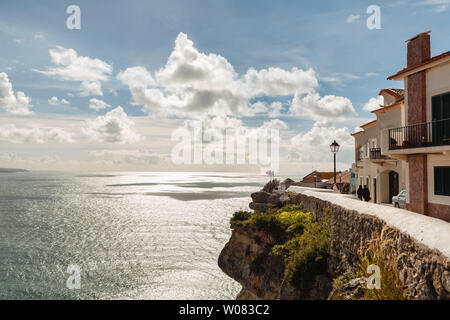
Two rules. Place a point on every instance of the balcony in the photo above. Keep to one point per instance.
(375, 154)
(429, 134)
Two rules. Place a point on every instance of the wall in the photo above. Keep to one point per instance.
(425, 271)
(438, 81)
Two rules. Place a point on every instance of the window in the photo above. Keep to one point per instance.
(442, 181)
(402, 194)
(360, 153)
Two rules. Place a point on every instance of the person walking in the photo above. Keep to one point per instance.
(366, 194)
(359, 192)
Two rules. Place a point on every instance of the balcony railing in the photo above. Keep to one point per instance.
(429, 134)
(375, 153)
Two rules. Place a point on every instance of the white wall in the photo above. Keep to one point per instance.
(435, 160)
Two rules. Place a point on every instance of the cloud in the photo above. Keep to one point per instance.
(114, 127)
(439, 5)
(373, 104)
(195, 82)
(314, 144)
(34, 134)
(339, 77)
(72, 67)
(322, 109)
(97, 104)
(18, 104)
(274, 124)
(371, 74)
(352, 18)
(122, 156)
(275, 109)
(279, 82)
(55, 101)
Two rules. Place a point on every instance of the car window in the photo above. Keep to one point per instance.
(402, 194)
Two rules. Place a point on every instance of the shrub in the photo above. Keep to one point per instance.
(271, 185)
(241, 215)
(306, 254)
(380, 252)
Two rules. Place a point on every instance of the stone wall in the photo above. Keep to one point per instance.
(425, 272)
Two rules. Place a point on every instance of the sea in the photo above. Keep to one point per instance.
(120, 235)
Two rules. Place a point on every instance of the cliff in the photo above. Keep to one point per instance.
(413, 267)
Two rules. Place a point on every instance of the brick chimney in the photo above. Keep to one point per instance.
(418, 52)
(419, 49)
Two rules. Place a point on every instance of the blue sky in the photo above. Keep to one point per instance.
(348, 59)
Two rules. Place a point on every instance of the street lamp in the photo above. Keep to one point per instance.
(335, 149)
(315, 179)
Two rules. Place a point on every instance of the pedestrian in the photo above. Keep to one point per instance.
(366, 194)
(359, 193)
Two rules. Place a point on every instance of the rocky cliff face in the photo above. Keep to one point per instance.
(424, 272)
(247, 259)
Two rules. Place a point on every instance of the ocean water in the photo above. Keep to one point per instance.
(133, 235)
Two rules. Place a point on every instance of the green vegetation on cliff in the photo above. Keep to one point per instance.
(303, 241)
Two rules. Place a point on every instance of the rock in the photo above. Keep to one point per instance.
(260, 207)
(274, 199)
(260, 197)
(288, 182)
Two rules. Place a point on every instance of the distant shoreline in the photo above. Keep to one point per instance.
(12, 170)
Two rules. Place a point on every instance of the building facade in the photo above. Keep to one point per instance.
(423, 140)
(384, 176)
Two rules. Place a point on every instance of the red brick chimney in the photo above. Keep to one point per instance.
(419, 49)
(418, 52)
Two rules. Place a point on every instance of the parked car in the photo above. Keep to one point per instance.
(399, 200)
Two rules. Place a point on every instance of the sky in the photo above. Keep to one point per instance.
(110, 95)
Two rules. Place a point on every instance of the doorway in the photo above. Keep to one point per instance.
(374, 190)
(393, 185)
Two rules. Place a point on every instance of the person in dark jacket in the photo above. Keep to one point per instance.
(366, 194)
(359, 192)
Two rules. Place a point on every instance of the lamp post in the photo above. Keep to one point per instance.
(340, 181)
(315, 179)
(334, 149)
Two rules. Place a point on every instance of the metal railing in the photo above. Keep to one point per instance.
(429, 134)
(375, 153)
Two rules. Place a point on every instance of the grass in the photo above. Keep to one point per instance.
(379, 251)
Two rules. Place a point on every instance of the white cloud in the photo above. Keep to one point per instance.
(279, 82)
(122, 156)
(55, 101)
(371, 74)
(195, 82)
(352, 18)
(275, 109)
(72, 67)
(14, 103)
(373, 104)
(338, 78)
(97, 104)
(318, 108)
(34, 134)
(274, 124)
(314, 145)
(114, 127)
